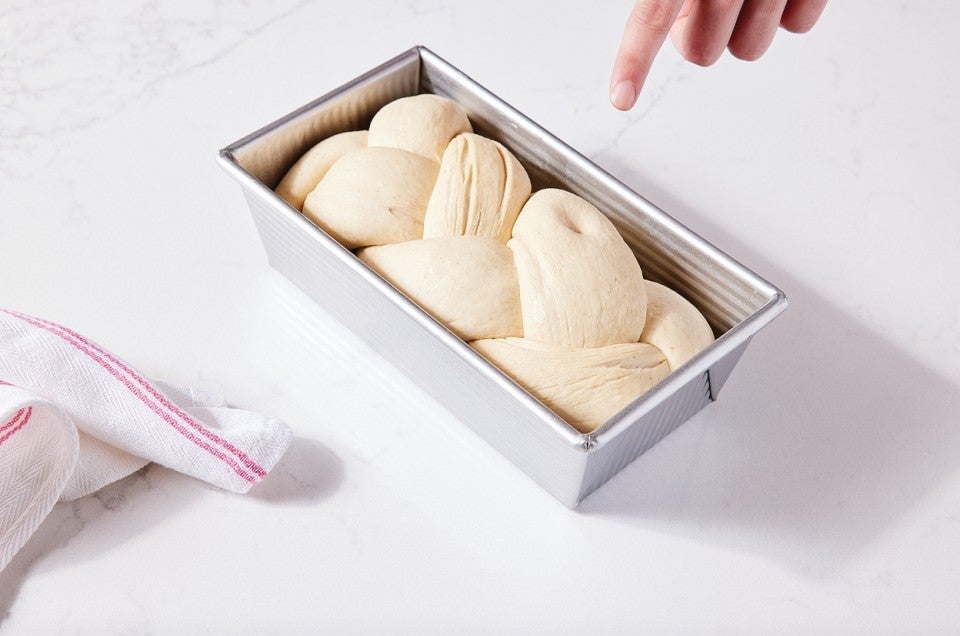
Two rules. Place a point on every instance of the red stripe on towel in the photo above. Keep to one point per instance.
(14, 423)
(166, 416)
(200, 428)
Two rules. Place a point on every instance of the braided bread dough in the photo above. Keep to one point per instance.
(586, 387)
(373, 196)
(674, 325)
(480, 190)
(468, 283)
(543, 286)
(310, 169)
(422, 124)
(580, 285)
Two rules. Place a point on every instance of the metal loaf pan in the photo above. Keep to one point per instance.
(568, 464)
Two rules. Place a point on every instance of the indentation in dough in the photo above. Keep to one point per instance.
(580, 285)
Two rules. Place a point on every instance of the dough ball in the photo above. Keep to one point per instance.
(422, 124)
(674, 325)
(479, 192)
(468, 283)
(586, 387)
(373, 196)
(580, 285)
(304, 176)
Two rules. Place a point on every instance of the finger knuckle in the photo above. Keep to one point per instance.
(725, 7)
(651, 16)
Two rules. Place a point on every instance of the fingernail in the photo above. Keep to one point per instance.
(624, 95)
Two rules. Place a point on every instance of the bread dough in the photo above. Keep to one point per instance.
(373, 196)
(422, 124)
(674, 325)
(479, 192)
(304, 176)
(543, 286)
(580, 285)
(468, 283)
(586, 387)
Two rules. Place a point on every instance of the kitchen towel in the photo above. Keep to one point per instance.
(74, 418)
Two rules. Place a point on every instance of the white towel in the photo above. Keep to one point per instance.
(74, 418)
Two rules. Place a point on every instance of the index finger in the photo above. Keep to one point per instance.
(647, 28)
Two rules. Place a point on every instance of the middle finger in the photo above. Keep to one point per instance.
(756, 28)
(702, 35)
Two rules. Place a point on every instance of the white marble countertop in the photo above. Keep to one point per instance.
(821, 493)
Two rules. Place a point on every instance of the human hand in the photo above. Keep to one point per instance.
(701, 29)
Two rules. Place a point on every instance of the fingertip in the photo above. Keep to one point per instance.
(748, 49)
(801, 17)
(745, 54)
(623, 95)
(794, 26)
(693, 52)
(701, 57)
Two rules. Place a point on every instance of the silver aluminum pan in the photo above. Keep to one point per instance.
(569, 464)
